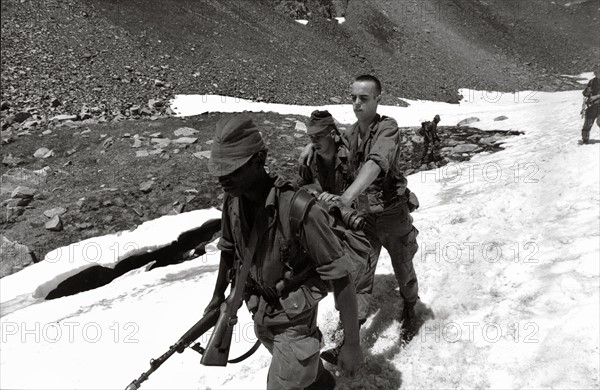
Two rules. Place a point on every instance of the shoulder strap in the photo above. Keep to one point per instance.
(299, 206)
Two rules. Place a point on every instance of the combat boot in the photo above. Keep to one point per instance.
(325, 381)
(331, 355)
(409, 321)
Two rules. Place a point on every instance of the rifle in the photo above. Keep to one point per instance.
(223, 319)
(208, 321)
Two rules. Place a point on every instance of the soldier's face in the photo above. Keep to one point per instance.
(239, 181)
(364, 100)
(322, 141)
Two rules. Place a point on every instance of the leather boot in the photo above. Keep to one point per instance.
(331, 355)
(409, 321)
(325, 380)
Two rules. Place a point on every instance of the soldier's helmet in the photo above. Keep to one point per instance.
(436, 118)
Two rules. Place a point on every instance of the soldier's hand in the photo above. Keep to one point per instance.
(350, 359)
(327, 197)
(307, 155)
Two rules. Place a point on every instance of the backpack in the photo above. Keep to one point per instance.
(354, 243)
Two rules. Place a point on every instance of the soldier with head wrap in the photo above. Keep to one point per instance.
(288, 274)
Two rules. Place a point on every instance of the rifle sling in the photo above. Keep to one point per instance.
(240, 280)
(247, 354)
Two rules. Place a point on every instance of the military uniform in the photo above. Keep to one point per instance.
(431, 141)
(334, 179)
(592, 112)
(389, 223)
(287, 280)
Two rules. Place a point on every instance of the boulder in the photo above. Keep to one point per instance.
(13, 256)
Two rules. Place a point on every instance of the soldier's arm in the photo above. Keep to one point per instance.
(333, 264)
(227, 258)
(225, 266)
(367, 175)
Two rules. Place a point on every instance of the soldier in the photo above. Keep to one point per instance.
(431, 140)
(288, 275)
(330, 170)
(330, 167)
(592, 110)
(380, 192)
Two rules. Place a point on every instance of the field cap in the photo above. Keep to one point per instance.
(236, 140)
(319, 121)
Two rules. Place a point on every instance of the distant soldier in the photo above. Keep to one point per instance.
(431, 140)
(592, 109)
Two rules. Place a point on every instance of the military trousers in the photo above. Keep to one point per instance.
(295, 348)
(591, 114)
(393, 230)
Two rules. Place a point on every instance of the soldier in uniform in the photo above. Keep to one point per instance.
(380, 191)
(330, 170)
(431, 140)
(288, 274)
(592, 110)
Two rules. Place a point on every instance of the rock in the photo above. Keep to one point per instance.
(86, 116)
(55, 224)
(13, 256)
(468, 121)
(185, 140)
(30, 124)
(17, 202)
(161, 142)
(63, 118)
(23, 192)
(201, 155)
(156, 151)
(142, 153)
(300, 126)
(491, 140)
(299, 135)
(335, 99)
(84, 225)
(464, 148)
(135, 110)
(20, 117)
(500, 118)
(146, 186)
(137, 142)
(55, 102)
(43, 153)
(16, 177)
(12, 213)
(46, 132)
(11, 161)
(156, 135)
(155, 103)
(158, 83)
(4, 105)
(185, 132)
(108, 142)
(55, 211)
(146, 112)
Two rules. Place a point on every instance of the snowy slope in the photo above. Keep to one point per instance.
(508, 272)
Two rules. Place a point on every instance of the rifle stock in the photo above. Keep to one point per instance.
(216, 352)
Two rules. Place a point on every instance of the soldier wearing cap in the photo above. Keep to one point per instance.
(330, 167)
(288, 275)
(330, 170)
(431, 140)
